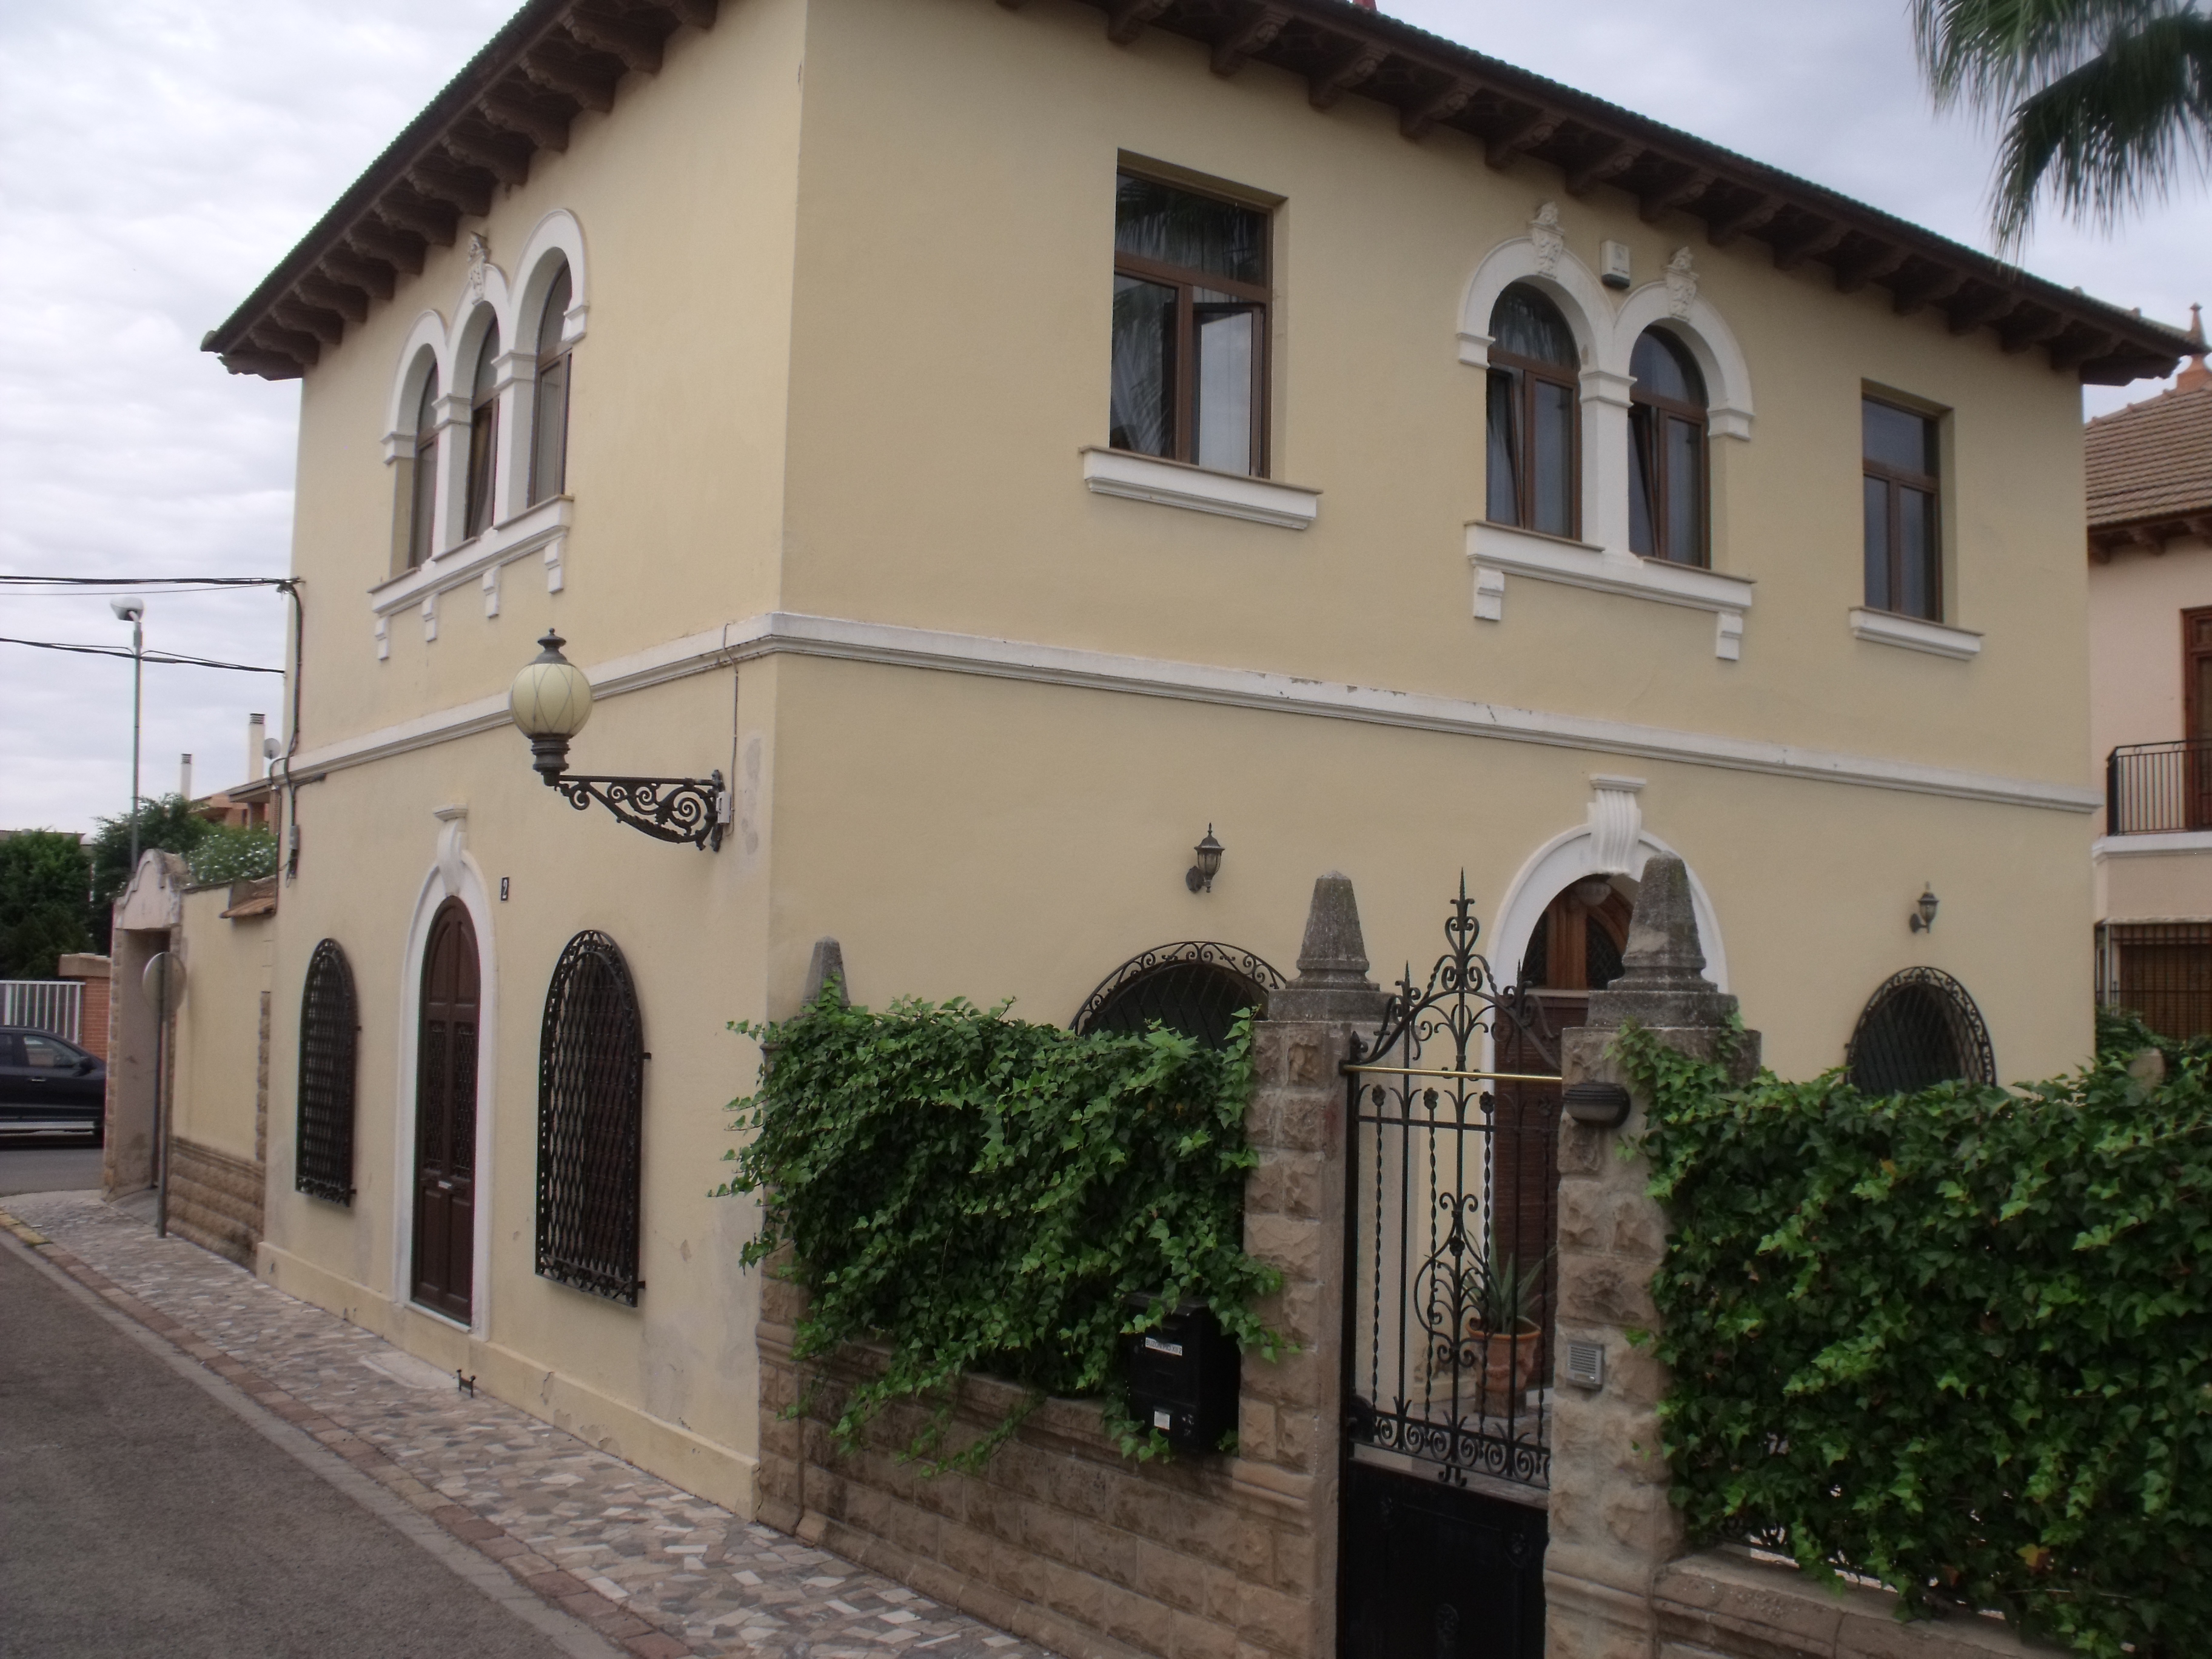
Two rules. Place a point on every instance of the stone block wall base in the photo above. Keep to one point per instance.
(216, 1199)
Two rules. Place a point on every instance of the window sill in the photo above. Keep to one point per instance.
(1915, 633)
(543, 529)
(1499, 551)
(1198, 489)
(2150, 844)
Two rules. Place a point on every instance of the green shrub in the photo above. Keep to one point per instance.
(982, 1195)
(43, 875)
(1960, 1342)
(230, 852)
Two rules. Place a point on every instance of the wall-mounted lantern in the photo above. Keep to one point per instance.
(551, 700)
(1199, 877)
(1923, 910)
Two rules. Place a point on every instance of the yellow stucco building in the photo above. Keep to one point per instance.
(1010, 441)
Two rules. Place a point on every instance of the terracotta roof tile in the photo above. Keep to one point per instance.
(2152, 460)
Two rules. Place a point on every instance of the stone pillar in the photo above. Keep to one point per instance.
(1612, 1527)
(1290, 1412)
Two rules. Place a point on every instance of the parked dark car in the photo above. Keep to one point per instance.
(47, 1084)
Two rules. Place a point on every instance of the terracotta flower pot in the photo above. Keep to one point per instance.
(1509, 1363)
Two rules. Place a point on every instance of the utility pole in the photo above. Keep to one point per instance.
(133, 611)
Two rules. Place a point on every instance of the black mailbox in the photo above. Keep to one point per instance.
(1183, 1375)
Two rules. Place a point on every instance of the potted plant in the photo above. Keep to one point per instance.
(1507, 1296)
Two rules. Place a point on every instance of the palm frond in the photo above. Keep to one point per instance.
(1989, 54)
(2113, 133)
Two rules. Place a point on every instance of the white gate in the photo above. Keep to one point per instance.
(44, 1005)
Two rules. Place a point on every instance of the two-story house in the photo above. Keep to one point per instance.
(2150, 711)
(1014, 444)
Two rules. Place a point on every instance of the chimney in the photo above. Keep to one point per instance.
(184, 776)
(2193, 372)
(256, 732)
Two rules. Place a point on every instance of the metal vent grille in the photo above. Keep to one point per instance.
(591, 1109)
(1919, 1029)
(323, 1161)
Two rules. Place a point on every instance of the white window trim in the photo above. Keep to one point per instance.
(1198, 489)
(543, 530)
(1915, 633)
(2151, 845)
(1496, 550)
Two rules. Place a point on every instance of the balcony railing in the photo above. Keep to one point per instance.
(2151, 788)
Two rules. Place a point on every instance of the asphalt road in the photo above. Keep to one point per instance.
(33, 1164)
(141, 1514)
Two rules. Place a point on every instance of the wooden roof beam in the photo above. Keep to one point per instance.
(571, 79)
(431, 221)
(2028, 326)
(1605, 161)
(1909, 299)
(1755, 214)
(1127, 19)
(1356, 68)
(506, 159)
(1520, 134)
(699, 13)
(322, 291)
(296, 314)
(637, 49)
(513, 114)
(302, 347)
(269, 365)
(1255, 35)
(451, 187)
(375, 277)
(1968, 314)
(2080, 343)
(1686, 186)
(1824, 239)
(1418, 120)
(1852, 275)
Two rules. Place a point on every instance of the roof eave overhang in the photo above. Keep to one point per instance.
(556, 57)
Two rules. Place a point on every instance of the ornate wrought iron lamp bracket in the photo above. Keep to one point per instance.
(683, 810)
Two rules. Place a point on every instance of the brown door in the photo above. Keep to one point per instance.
(2196, 713)
(445, 1116)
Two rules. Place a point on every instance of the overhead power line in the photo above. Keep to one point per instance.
(151, 656)
(148, 581)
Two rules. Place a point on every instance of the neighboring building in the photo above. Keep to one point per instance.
(1005, 440)
(243, 806)
(2150, 719)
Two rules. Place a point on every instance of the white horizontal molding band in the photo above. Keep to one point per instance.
(540, 529)
(1496, 550)
(791, 633)
(2152, 844)
(1912, 634)
(1199, 489)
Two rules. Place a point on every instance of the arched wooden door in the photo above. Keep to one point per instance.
(445, 1116)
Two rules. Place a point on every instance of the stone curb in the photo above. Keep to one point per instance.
(556, 1589)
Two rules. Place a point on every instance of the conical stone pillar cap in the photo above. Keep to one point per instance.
(1662, 981)
(1332, 982)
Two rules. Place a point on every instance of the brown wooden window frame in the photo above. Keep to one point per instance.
(422, 476)
(544, 410)
(1649, 435)
(1186, 282)
(1895, 481)
(483, 504)
(1523, 375)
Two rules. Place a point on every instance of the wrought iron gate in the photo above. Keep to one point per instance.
(1449, 1285)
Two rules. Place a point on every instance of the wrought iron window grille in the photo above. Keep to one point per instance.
(1919, 1028)
(1195, 986)
(329, 1035)
(590, 1101)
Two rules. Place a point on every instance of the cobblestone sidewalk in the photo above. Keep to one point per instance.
(595, 1536)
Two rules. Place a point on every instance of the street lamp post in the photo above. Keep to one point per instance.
(133, 611)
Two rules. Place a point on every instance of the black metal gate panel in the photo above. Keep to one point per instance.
(1448, 1281)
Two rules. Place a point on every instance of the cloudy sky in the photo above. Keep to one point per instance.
(157, 156)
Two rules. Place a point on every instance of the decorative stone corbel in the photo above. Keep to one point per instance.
(453, 837)
(383, 639)
(491, 592)
(430, 616)
(1616, 823)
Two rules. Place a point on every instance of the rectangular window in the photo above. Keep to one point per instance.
(1904, 538)
(1190, 327)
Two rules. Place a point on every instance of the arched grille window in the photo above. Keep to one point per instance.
(591, 1112)
(484, 435)
(423, 485)
(549, 419)
(1534, 452)
(323, 1149)
(1919, 1029)
(1195, 987)
(1665, 451)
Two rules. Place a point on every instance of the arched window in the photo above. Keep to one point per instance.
(1533, 460)
(323, 1149)
(1195, 987)
(423, 485)
(591, 1115)
(483, 434)
(549, 418)
(1665, 451)
(1919, 1029)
